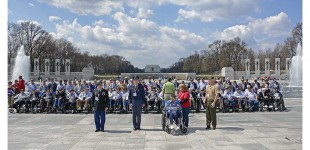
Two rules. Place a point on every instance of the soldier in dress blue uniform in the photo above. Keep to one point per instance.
(100, 106)
(136, 99)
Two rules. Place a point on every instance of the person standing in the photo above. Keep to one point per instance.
(136, 100)
(211, 98)
(100, 105)
(21, 83)
(184, 98)
(168, 90)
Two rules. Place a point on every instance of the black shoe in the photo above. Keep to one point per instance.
(96, 130)
(138, 128)
(208, 127)
(134, 129)
(102, 130)
(214, 127)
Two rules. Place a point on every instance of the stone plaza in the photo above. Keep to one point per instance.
(235, 131)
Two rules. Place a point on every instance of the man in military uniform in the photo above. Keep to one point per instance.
(100, 105)
(211, 98)
(136, 102)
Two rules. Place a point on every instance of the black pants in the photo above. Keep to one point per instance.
(18, 104)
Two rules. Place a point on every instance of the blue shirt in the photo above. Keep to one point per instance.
(173, 106)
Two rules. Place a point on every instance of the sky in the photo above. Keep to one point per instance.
(160, 32)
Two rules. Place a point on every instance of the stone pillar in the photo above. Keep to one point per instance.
(277, 67)
(57, 67)
(257, 67)
(288, 65)
(36, 67)
(247, 69)
(47, 66)
(67, 67)
(267, 67)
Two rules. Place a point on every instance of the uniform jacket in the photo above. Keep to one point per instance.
(140, 94)
(101, 99)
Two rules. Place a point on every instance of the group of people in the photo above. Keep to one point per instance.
(137, 95)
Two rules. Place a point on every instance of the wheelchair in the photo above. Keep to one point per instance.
(166, 121)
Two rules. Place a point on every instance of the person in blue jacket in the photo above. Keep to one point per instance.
(136, 102)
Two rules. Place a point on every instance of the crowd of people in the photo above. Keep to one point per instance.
(76, 96)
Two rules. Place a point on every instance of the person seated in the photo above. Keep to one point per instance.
(60, 98)
(47, 100)
(173, 108)
(252, 98)
(72, 96)
(125, 95)
(239, 96)
(84, 98)
(11, 94)
(111, 96)
(229, 97)
(117, 97)
(268, 100)
(20, 99)
(34, 99)
(278, 97)
(153, 96)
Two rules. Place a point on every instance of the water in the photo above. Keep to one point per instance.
(296, 69)
(21, 66)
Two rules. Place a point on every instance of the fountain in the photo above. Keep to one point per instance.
(294, 85)
(296, 69)
(21, 66)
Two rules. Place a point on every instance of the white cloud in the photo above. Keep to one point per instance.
(139, 40)
(187, 15)
(278, 25)
(34, 22)
(210, 10)
(259, 32)
(82, 7)
(53, 18)
(241, 31)
(31, 4)
(144, 13)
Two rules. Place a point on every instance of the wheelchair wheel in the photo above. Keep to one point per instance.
(11, 110)
(281, 108)
(168, 130)
(163, 121)
(183, 129)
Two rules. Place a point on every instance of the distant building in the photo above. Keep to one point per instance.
(152, 69)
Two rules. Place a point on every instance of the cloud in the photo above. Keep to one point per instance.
(278, 25)
(30, 4)
(139, 40)
(53, 18)
(259, 32)
(144, 13)
(34, 22)
(82, 7)
(210, 10)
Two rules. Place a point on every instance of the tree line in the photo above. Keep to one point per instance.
(40, 44)
(232, 53)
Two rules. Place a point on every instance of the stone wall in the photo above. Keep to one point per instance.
(181, 76)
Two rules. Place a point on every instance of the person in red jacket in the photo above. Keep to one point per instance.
(184, 99)
(15, 87)
(21, 83)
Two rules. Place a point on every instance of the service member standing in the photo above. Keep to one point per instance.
(211, 98)
(100, 105)
(136, 99)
